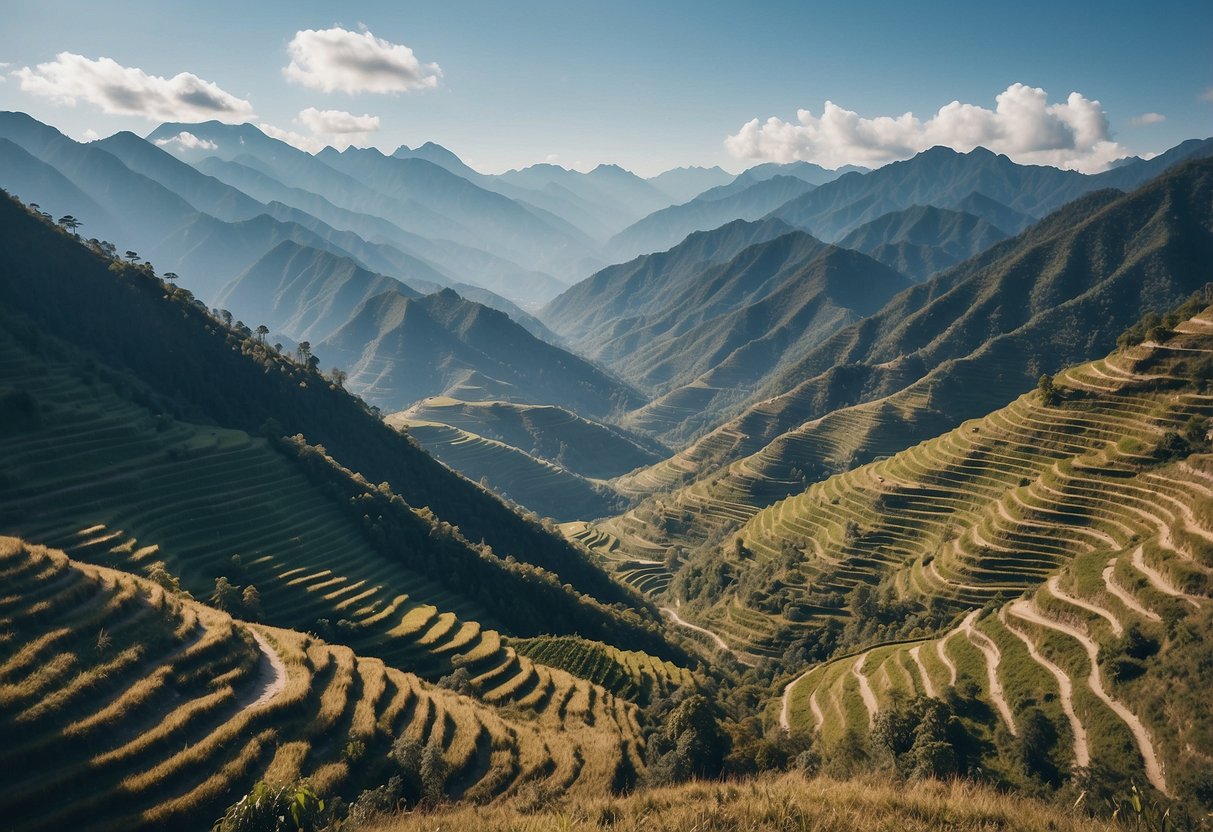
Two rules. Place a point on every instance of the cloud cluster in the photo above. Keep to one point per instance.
(129, 91)
(186, 140)
(334, 122)
(328, 127)
(1071, 134)
(353, 62)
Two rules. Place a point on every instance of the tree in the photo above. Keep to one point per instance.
(226, 596)
(262, 330)
(133, 256)
(304, 352)
(433, 771)
(70, 223)
(251, 601)
(170, 277)
(1049, 394)
(338, 376)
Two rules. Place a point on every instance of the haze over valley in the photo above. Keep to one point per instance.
(432, 421)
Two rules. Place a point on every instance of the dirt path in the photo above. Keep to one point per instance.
(1082, 750)
(1023, 609)
(993, 657)
(865, 689)
(1054, 585)
(819, 718)
(1124, 595)
(744, 658)
(941, 647)
(271, 676)
(785, 702)
(1157, 580)
(927, 685)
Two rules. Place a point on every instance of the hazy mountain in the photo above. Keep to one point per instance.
(992, 211)
(941, 176)
(28, 177)
(399, 350)
(684, 184)
(469, 264)
(205, 193)
(665, 228)
(975, 336)
(528, 236)
(922, 240)
(585, 313)
(417, 196)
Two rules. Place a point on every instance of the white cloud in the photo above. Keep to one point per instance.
(129, 91)
(187, 141)
(89, 135)
(1147, 118)
(1073, 134)
(334, 122)
(308, 144)
(352, 62)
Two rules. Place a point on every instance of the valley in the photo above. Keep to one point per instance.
(346, 488)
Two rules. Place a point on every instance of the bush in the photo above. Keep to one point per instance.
(282, 808)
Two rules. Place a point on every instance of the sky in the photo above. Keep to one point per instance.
(646, 85)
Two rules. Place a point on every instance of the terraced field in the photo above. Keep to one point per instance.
(1088, 511)
(633, 675)
(155, 711)
(592, 449)
(114, 486)
(541, 486)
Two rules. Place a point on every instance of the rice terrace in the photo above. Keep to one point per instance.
(569, 417)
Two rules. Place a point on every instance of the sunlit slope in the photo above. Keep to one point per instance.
(155, 710)
(983, 512)
(956, 347)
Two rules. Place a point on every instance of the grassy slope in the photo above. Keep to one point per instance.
(788, 802)
(955, 347)
(123, 706)
(192, 367)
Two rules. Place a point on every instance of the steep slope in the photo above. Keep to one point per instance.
(941, 176)
(923, 240)
(399, 350)
(304, 292)
(668, 227)
(592, 449)
(154, 711)
(586, 312)
(745, 322)
(992, 211)
(953, 348)
(188, 364)
(1094, 503)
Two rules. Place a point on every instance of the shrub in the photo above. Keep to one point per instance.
(282, 808)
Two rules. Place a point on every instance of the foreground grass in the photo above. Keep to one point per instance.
(790, 802)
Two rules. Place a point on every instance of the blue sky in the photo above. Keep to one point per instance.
(656, 85)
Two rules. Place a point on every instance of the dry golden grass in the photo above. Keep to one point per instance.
(789, 803)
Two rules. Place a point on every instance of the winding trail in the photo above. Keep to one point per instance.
(1024, 609)
(744, 658)
(993, 657)
(927, 684)
(819, 718)
(785, 702)
(271, 676)
(865, 689)
(1054, 585)
(941, 647)
(1156, 578)
(1124, 595)
(1082, 750)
